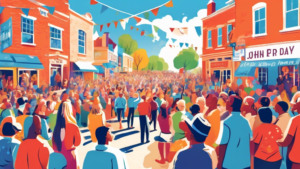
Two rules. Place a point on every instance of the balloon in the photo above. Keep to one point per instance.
(248, 90)
(272, 97)
(239, 81)
(258, 92)
(251, 78)
(252, 93)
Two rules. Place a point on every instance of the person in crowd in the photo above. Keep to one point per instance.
(165, 137)
(248, 107)
(144, 109)
(57, 161)
(197, 154)
(96, 118)
(280, 84)
(201, 102)
(235, 141)
(154, 109)
(32, 153)
(265, 136)
(104, 155)
(57, 79)
(133, 101)
(287, 81)
(120, 107)
(195, 109)
(66, 135)
(9, 128)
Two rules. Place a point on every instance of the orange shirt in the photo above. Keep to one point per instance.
(144, 109)
(214, 119)
(95, 121)
(20, 119)
(295, 146)
(32, 154)
(72, 137)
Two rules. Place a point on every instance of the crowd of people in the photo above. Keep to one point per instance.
(224, 126)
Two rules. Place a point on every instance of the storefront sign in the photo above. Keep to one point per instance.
(271, 63)
(56, 61)
(238, 54)
(222, 64)
(6, 34)
(281, 51)
(99, 54)
(112, 57)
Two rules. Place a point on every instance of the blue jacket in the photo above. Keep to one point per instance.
(133, 102)
(9, 149)
(120, 103)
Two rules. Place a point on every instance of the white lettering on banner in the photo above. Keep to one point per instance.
(112, 57)
(269, 64)
(282, 51)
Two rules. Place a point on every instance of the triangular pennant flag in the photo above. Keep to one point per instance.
(142, 33)
(169, 4)
(137, 29)
(156, 28)
(146, 15)
(104, 8)
(1, 9)
(181, 44)
(131, 27)
(101, 27)
(151, 35)
(186, 44)
(198, 30)
(123, 23)
(108, 24)
(170, 46)
(174, 40)
(116, 24)
(93, 2)
(172, 29)
(137, 19)
(196, 48)
(25, 11)
(155, 11)
(50, 9)
(185, 30)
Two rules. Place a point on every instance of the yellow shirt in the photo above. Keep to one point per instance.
(95, 121)
(214, 119)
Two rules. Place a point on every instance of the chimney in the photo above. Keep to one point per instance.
(105, 37)
(211, 7)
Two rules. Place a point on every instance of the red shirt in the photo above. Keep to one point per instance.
(32, 154)
(266, 136)
(294, 147)
(144, 109)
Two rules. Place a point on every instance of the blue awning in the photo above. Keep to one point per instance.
(247, 68)
(84, 67)
(110, 65)
(21, 61)
(100, 69)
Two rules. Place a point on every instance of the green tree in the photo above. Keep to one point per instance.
(152, 65)
(187, 59)
(128, 44)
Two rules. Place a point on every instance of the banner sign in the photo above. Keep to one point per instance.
(271, 63)
(238, 54)
(112, 57)
(223, 64)
(6, 34)
(271, 52)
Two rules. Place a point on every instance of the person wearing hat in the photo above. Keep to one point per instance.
(9, 145)
(198, 154)
(104, 156)
(96, 118)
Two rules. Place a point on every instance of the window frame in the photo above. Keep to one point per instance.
(260, 75)
(61, 31)
(228, 32)
(224, 77)
(30, 18)
(43, 10)
(220, 36)
(256, 7)
(285, 16)
(84, 41)
(209, 39)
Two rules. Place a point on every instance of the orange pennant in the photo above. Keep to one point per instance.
(131, 27)
(137, 19)
(155, 11)
(170, 46)
(142, 33)
(169, 4)
(108, 24)
(101, 27)
(93, 2)
(137, 29)
(116, 24)
(172, 29)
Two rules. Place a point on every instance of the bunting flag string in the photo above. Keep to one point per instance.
(137, 19)
(156, 28)
(181, 44)
(26, 10)
(155, 11)
(172, 29)
(174, 40)
(131, 27)
(93, 2)
(50, 9)
(171, 46)
(101, 27)
(146, 15)
(103, 9)
(169, 4)
(142, 33)
(137, 29)
(108, 24)
(196, 48)
(198, 30)
(116, 24)
(186, 44)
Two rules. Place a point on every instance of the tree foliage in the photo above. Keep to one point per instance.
(128, 44)
(157, 63)
(140, 59)
(187, 59)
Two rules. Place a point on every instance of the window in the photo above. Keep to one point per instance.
(226, 75)
(260, 21)
(219, 36)
(219, 59)
(209, 39)
(229, 29)
(81, 42)
(211, 60)
(55, 38)
(292, 13)
(229, 58)
(27, 31)
(263, 75)
(43, 12)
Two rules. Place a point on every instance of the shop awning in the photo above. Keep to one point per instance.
(247, 68)
(110, 65)
(100, 69)
(84, 67)
(21, 61)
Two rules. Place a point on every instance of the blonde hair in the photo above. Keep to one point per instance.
(68, 112)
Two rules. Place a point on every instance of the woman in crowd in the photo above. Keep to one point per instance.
(96, 118)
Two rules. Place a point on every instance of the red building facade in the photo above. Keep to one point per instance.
(40, 34)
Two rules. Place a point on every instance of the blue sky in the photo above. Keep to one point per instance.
(182, 8)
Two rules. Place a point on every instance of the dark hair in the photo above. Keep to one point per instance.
(48, 103)
(265, 115)
(195, 109)
(8, 129)
(283, 105)
(163, 112)
(60, 124)
(237, 103)
(101, 133)
(265, 101)
(54, 94)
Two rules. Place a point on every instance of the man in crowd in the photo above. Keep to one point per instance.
(144, 109)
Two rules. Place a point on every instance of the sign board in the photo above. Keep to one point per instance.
(238, 54)
(56, 61)
(223, 64)
(271, 52)
(6, 34)
(112, 57)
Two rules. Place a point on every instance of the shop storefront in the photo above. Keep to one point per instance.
(58, 67)
(83, 69)
(221, 70)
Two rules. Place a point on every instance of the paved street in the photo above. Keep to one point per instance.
(128, 140)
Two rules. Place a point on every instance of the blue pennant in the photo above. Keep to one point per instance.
(174, 40)
(25, 11)
(181, 44)
(186, 44)
(198, 30)
(104, 8)
(1, 9)
(50, 9)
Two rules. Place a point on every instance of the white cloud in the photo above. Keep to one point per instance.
(95, 36)
(191, 38)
